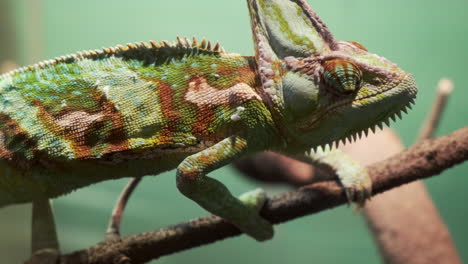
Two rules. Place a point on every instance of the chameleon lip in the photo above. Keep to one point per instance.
(353, 136)
(335, 107)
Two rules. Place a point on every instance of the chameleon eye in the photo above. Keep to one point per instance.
(358, 45)
(341, 75)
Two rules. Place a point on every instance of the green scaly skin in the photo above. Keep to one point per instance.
(144, 108)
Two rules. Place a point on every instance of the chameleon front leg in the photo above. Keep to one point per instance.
(213, 196)
(352, 175)
(44, 241)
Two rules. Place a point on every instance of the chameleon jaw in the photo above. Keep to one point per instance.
(355, 135)
(404, 91)
(356, 102)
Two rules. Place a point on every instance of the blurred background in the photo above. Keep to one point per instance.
(425, 37)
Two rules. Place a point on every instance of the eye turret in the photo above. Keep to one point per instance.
(341, 75)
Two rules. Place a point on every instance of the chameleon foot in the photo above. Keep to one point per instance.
(255, 200)
(243, 213)
(353, 176)
(357, 185)
(255, 226)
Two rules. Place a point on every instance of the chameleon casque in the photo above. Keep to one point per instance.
(145, 108)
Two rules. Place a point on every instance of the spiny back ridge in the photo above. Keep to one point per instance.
(150, 53)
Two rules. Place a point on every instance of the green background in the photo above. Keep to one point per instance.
(428, 38)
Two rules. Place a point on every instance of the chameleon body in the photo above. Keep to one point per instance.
(145, 108)
(110, 114)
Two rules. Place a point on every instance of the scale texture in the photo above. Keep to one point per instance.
(144, 108)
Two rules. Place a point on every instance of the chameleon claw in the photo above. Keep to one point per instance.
(360, 199)
(368, 194)
(359, 190)
(349, 195)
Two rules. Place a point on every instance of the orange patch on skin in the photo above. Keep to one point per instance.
(74, 127)
(245, 74)
(331, 65)
(4, 152)
(190, 175)
(79, 127)
(249, 72)
(166, 95)
(206, 98)
(117, 139)
(12, 129)
(205, 117)
(169, 110)
(205, 114)
(202, 94)
(207, 159)
(71, 126)
(165, 137)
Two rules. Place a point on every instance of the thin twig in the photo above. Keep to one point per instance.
(113, 229)
(444, 89)
(423, 160)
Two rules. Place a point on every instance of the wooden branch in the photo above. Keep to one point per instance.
(420, 161)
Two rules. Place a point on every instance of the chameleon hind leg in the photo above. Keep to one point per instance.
(44, 241)
(213, 196)
(113, 229)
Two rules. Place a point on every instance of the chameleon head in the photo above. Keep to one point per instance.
(343, 93)
(321, 89)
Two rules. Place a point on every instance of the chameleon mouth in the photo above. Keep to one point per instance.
(353, 136)
(405, 87)
(368, 98)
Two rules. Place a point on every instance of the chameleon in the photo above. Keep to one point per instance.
(141, 109)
